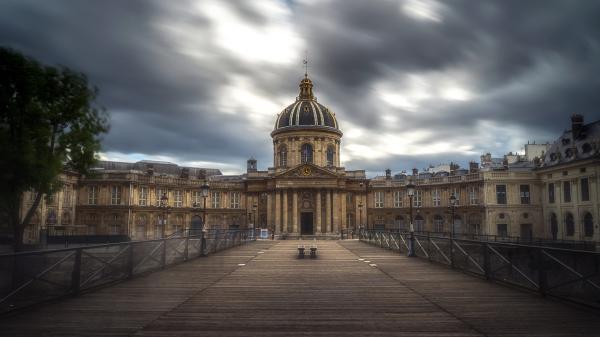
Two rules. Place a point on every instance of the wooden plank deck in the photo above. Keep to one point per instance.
(275, 294)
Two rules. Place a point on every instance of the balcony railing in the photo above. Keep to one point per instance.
(33, 277)
(572, 275)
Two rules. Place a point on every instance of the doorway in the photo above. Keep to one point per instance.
(306, 223)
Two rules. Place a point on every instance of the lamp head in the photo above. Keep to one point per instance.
(204, 190)
(410, 188)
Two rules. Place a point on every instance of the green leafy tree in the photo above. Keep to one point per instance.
(48, 123)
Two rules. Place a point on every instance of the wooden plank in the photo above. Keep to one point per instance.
(241, 292)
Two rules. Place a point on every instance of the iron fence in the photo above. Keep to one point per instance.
(568, 274)
(32, 277)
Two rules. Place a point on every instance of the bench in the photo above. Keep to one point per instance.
(300, 251)
(313, 251)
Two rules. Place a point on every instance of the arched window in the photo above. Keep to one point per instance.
(140, 228)
(569, 224)
(283, 156)
(553, 226)
(51, 218)
(307, 153)
(457, 222)
(66, 219)
(330, 155)
(588, 224)
(438, 223)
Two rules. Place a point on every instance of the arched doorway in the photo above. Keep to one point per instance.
(569, 225)
(457, 224)
(419, 223)
(438, 223)
(196, 225)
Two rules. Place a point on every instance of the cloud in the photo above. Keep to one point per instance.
(412, 82)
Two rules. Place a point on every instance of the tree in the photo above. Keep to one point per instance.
(48, 123)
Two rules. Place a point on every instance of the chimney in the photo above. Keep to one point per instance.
(576, 125)
(415, 172)
(251, 167)
(473, 167)
(388, 174)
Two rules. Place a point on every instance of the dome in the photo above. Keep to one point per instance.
(306, 112)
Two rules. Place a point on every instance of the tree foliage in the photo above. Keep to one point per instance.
(48, 123)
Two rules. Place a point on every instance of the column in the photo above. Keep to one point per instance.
(295, 212)
(270, 223)
(284, 208)
(318, 212)
(336, 212)
(277, 211)
(328, 211)
(343, 218)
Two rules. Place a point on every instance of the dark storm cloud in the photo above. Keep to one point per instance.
(527, 63)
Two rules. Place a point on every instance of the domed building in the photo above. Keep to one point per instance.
(307, 190)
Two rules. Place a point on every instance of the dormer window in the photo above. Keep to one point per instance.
(586, 148)
(553, 157)
(566, 141)
(569, 153)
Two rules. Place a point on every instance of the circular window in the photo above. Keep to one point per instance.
(525, 215)
(501, 216)
(553, 156)
(569, 153)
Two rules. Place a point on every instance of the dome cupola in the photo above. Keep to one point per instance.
(306, 112)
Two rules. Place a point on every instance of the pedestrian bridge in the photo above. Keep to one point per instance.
(352, 288)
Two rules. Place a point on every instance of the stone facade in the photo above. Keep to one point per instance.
(307, 191)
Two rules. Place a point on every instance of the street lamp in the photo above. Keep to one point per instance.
(164, 204)
(204, 190)
(254, 208)
(452, 206)
(360, 207)
(411, 243)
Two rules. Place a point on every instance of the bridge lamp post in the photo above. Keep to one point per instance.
(411, 242)
(164, 204)
(204, 190)
(360, 207)
(452, 207)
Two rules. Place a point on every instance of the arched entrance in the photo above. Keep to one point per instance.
(196, 225)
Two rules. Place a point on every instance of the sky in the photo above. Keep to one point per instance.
(412, 82)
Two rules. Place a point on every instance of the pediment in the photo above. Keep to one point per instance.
(307, 171)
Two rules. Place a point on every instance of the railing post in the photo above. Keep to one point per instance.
(130, 261)
(76, 274)
(185, 249)
(163, 256)
(487, 265)
(542, 277)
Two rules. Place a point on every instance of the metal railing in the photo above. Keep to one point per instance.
(572, 275)
(32, 277)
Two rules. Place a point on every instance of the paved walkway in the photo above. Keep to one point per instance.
(262, 289)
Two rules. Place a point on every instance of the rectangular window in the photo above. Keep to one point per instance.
(473, 195)
(567, 191)
(216, 200)
(456, 193)
(178, 198)
(501, 194)
(160, 192)
(92, 195)
(524, 194)
(397, 199)
(417, 201)
(502, 229)
(66, 196)
(585, 189)
(115, 195)
(143, 197)
(196, 199)
(234, 202)
(379, 199)
(551, 193)
(437, 199)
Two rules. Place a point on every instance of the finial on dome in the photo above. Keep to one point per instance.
(306, 84)
(305, 61)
